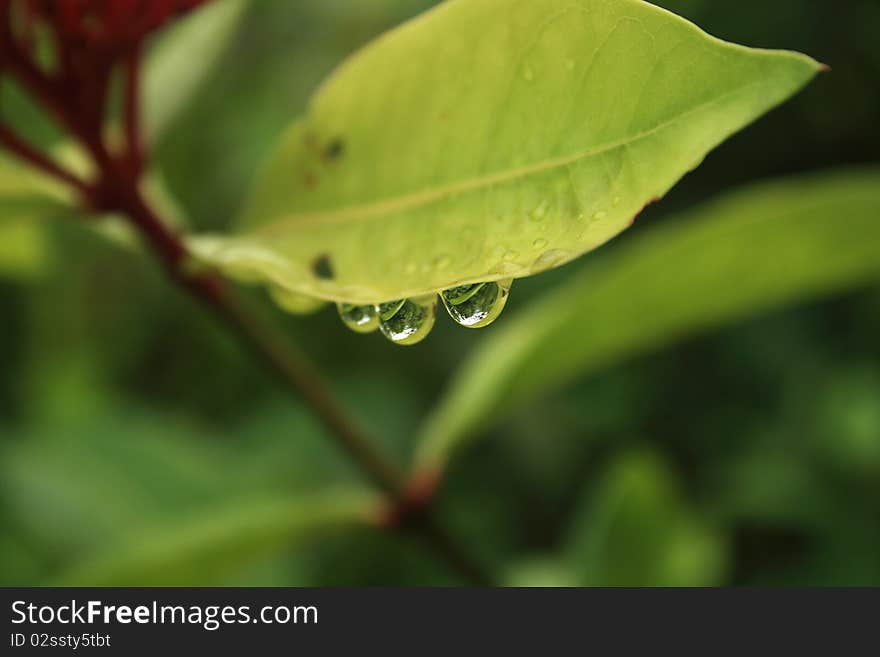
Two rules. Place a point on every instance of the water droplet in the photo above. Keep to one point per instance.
(294, 302)
(407, 321)
(477, 305)
(569, 64)
(410, 268)
(600, 215)
(528, 73)
(549, 259)
(615, 201)
(539, 243)
(539, 212)
(509, 256)
(360, 319)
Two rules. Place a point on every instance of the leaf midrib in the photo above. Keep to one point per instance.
(425, 197)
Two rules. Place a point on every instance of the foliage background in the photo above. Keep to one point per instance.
(750, 455)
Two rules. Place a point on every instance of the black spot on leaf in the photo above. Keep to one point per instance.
(322, 267)
(334, 149)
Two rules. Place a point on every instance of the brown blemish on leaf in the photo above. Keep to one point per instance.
(311, 142)
(642, 209)
(309, 180)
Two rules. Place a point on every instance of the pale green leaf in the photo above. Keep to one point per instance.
(23, 190)
(25, 197)
(767, 245)
(219, 542)
(490, 139)
(24, 250)
(184, 56)
(28, 197)
(540, 572)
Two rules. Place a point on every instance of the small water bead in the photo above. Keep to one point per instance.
(528, 74)
(600, 215)
(539, 243)
(360, 319)
(294, 302)
(539, 212)
(615, 201)
(569, 64)
(407, 321)
(477, 305)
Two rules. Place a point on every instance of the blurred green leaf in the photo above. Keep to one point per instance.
(411, 173)
(182, 59)
(126, 496)
(25, 197)
(25, 191)
(24, 251)
(636, 529)
(847, 422)
(215, 544)
(540, 571)
(767, 245)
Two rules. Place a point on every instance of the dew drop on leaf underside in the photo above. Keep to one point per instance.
(360, 319)
(478, 305)
(407, 321)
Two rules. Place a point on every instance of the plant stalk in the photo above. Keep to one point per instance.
(116, 189)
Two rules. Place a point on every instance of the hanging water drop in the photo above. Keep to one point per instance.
(539, 243)
(600, 215)
(294, 302)
(407, 321)
(360, 319)
(477, 305)
(528, 74)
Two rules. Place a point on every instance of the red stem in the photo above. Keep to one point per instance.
(135, 154)
(117, 189)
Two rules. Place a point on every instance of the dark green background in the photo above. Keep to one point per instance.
(748, 456)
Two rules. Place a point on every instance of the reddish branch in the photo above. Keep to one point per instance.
(91, 40)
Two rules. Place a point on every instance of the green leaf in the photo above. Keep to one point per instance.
(490, 139)
(767, 245)
(25, 197)
(25, 191)
(540, 572)
(182, 59)
(24, 249)
(637, 530)
(217, 543)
